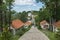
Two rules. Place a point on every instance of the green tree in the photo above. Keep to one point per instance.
(43, 14)
(9, 4)
(2, 13)
(1, 22)
(53, 6)
(23, 16)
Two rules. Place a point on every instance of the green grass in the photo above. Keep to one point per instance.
(16, 37)
(7, 35)
(51, 35)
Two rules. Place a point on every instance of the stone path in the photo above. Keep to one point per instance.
(34, 34)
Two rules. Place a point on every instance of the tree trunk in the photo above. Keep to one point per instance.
(1, 19)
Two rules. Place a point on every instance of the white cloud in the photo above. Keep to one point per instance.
(25, 2)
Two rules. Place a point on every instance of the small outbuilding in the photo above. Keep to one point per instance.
(16, 24)
(27, 24)
(56, 26)
(44, 24)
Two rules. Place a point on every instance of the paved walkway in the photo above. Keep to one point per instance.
(34, 34)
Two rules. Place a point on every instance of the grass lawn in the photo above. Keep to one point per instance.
(50, 34)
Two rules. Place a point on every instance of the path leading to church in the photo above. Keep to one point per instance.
(34, 34)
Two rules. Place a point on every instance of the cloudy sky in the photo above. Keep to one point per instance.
(26, 5)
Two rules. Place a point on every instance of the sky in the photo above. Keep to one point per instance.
(26, 5)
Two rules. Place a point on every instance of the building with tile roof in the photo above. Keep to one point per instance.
(44, 24)
(28, 23)
(17, 24)
(57, 24)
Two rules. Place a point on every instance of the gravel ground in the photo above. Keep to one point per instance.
(34, 34)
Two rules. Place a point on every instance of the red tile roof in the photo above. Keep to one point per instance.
(57, 24)
(43, 22)
(17, 23)
(28, 23)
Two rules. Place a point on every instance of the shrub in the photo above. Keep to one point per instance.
(58, 35)
(22, 30)
(39, 27)
(5, 35)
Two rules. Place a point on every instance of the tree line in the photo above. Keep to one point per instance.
(5, 12)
